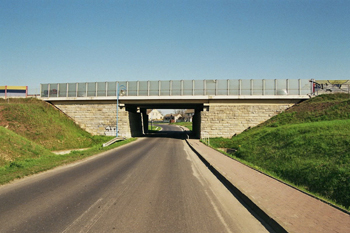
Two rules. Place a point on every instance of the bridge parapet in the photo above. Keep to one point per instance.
(228, 87)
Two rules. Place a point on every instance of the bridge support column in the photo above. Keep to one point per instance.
(144, 120)
(227, 119)
(196, 124)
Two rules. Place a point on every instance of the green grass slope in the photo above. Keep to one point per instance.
(30, 129)
(20, 157)
(188, 125)
(307, 145)
(41, 123)
(14, 147)
(321, 108)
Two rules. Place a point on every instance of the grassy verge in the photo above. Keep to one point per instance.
(154, 128)
(310, 149)
(188, 125)
(41, 123)
(24, 166)
(277, 177)
(30, 129)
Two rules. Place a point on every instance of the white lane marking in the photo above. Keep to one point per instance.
(91, 222)
(197, 173)
(81, 216)
(88, 219)
(218, 213)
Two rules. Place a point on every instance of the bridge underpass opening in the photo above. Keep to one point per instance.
(140, 125)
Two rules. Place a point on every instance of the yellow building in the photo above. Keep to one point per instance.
(13, 91)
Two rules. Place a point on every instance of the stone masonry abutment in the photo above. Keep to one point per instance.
(99, 118)
(229, 118)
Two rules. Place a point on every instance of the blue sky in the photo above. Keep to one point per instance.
(45, 41)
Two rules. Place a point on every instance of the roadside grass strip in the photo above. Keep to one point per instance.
(22, 166)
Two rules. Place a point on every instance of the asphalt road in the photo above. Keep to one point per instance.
(156, 184)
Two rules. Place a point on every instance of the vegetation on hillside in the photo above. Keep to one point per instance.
(153, 128)
(30, 129)
(41, 123)
(188, 125)
(20, 157)
(307, 145)
(321, 108)
(14, 147)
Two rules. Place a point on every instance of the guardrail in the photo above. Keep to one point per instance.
(181, 88)
(116, 139)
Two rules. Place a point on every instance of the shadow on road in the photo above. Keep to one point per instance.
(169, 131)
(169, 134)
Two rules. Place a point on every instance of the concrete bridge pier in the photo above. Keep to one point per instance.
(196, 123)
(144, 120)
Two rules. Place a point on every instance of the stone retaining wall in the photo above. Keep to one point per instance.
(225, 120)
(98, 118)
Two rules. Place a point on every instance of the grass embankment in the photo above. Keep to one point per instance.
(43, 124)
(154, 128)
(188, 125)
(30, 129)
(307, 145)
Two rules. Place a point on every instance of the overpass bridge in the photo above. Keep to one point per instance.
(222, 107)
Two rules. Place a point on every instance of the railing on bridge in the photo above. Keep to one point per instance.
(181, 88)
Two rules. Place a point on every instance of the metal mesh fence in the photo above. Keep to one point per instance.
(188, 88)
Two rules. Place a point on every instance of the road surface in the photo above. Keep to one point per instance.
(156, 184)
